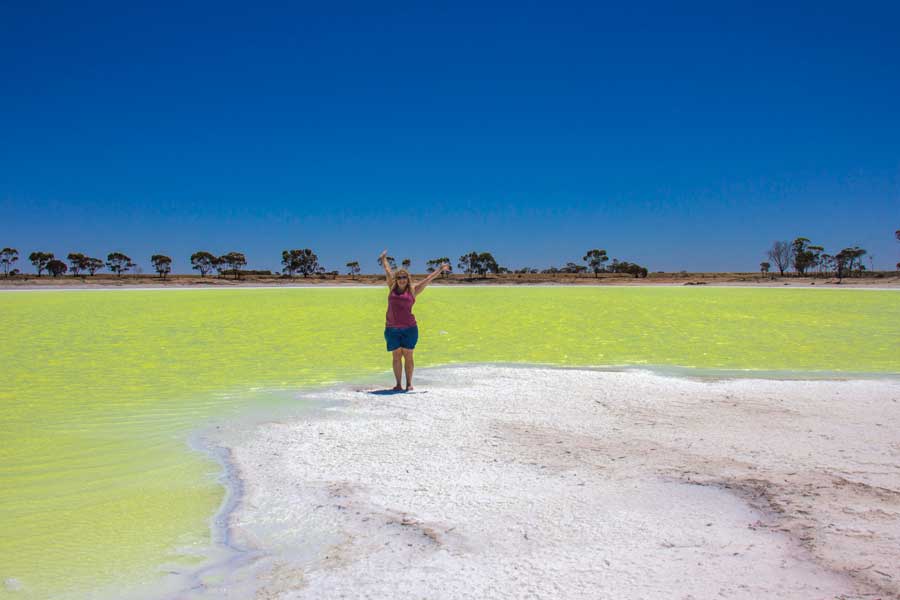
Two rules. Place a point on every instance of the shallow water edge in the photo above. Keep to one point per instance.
(230, 556)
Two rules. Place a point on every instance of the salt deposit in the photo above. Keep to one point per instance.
(514, 482)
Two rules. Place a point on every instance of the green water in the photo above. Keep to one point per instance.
(97, 484)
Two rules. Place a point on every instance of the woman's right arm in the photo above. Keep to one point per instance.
(387, 269)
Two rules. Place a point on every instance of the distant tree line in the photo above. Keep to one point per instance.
(801, 255)
(808, 259)
(303, 262)
(596, 260)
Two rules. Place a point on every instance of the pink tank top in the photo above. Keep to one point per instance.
(399, 312)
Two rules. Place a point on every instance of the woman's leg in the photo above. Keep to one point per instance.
(408, 358)
(398, 367)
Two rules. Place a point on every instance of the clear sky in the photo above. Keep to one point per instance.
(680, 136)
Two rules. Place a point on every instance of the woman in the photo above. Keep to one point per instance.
(400, 330)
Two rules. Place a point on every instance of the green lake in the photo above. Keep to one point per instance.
(99, 488)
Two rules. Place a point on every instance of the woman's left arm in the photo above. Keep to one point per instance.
(421, 285)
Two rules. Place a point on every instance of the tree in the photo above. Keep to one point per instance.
(291, 261)
(764, 267)
(802, 256)
(435, 264)
(7, 257)
(118, 263)
(846, 259)
(406, 263)
(391, 262)
(78, 262)
(856, 259)
(220, 265)
(309, 263)
(162, 264)
(485, 263)
(353, 269)
(816, 254)
(468, 262)
(478, 262)
(56, 267)
(780, 254)
(630, 268)
(234, 261)
(573, 268)
(826, 263)
(595, 259)
(203, 261)
(92, 265)
(40, 260)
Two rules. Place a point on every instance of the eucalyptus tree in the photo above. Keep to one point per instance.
(780, 254)
(40, 260)
(391, 262)
(628, 267)
(118, 263)
(595, 259)
(846, 259)
(291, 261)
(802, 256)
(435, 263)
(485, 263)
(203, 261)
(234, 261)
(468, 263)
(353, 269)
(78, 262)
(573, 268)
(92, 265)
(308, 263)
(815, 255)
(826, 262)
(162, 264)
(56, 267)
(406, 263)
(8, 256)
(856, 254)
(764, 267)
(220, 265)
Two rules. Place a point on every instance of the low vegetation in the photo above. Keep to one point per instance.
(810, 260)
(800, 255)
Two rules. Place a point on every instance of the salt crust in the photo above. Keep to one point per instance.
(513, 482)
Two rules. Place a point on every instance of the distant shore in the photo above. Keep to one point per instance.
(880, 281)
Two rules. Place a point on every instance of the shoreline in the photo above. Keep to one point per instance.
(361, 286)
(284, 571)
(881, 280)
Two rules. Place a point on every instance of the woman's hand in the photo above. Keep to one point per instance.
(445, 267)
(382, 255)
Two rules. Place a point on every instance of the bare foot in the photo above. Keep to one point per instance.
(397, 388)
(409, 388)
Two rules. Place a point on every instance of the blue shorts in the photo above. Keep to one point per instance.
(401, 337)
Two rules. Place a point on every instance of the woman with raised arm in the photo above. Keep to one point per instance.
(400, 329)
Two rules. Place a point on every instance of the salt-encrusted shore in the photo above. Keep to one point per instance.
(514, 482)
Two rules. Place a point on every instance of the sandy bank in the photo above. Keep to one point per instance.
(506, 482)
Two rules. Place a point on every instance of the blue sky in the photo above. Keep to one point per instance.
(679, 136)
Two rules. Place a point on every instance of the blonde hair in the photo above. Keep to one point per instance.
(409, 282)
